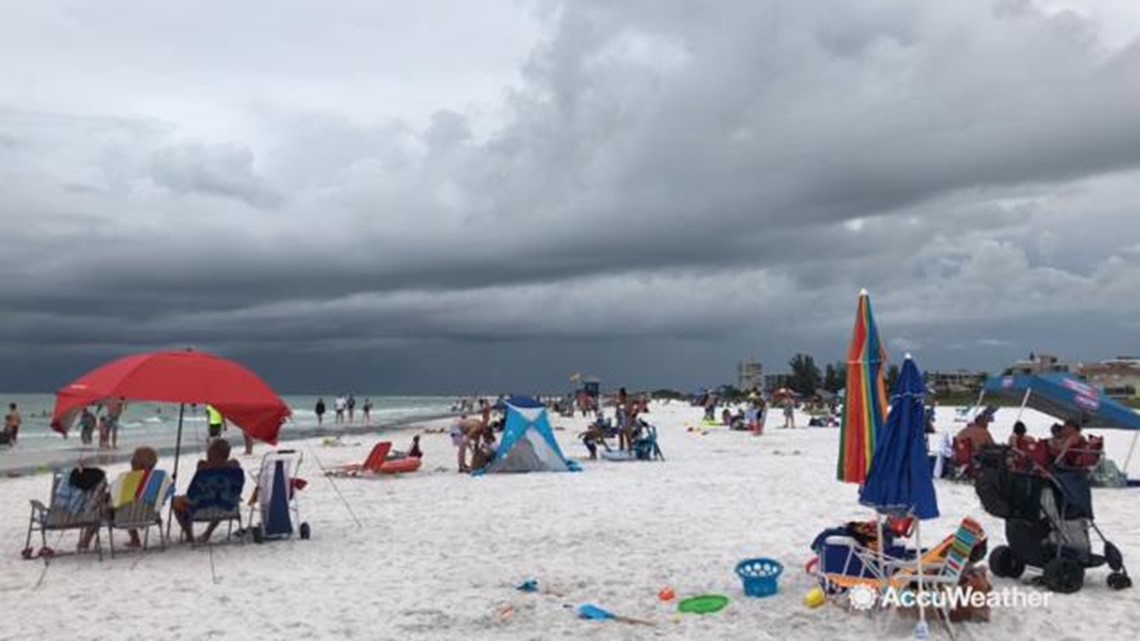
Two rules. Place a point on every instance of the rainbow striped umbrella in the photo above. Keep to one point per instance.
(866, 399)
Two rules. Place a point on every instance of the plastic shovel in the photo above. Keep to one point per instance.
(594, 613)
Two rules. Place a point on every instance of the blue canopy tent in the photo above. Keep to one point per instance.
(899, 482)
(1065, 396)
(528, 443)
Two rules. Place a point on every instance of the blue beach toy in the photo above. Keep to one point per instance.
(759, 576)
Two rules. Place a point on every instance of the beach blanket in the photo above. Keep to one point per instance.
(146, 486)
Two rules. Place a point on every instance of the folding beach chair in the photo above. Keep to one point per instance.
(78, 497)
(214, 496)
(645, 445)
(947, 572)
(137, 498)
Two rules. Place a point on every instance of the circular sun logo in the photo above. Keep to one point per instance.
(862, 597)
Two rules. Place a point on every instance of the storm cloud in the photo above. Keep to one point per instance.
(444, 196)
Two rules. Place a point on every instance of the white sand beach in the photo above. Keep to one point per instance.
(437, 555)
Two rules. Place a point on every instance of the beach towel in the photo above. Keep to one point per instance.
(216, 488)
(73, 491)
(146, 486)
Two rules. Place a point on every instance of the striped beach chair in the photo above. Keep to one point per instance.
(137, 498)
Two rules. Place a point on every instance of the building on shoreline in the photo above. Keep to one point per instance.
(775, 381)
(749, 375)
(956, 382)
(1117, 377)
(1039, 364)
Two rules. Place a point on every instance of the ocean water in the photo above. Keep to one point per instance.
(154, 423)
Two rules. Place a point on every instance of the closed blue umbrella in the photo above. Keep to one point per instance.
(900, 481)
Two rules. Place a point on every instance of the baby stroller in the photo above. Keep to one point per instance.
(1048, 514)
(275, 499)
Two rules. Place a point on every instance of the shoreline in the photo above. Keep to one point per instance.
(36, 461)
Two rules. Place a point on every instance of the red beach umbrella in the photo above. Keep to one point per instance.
(179, 377)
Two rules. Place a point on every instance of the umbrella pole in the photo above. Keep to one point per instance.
(882, 544)
(978, 403)
(1024, 402)
(1131, 448)
(921, 630)
(177, 457)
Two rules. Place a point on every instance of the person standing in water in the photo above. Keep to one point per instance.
(87, 423)
(12, 423)
(367, 411)
(114, 415)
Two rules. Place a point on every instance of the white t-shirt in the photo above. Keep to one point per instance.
(341, 403)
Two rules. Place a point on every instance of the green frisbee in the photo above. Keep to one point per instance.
(703, 604)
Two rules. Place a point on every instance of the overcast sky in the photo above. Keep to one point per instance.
(451, 196)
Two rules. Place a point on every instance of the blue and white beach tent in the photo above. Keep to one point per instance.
(528, 443)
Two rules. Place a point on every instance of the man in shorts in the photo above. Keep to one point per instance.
(114, 412)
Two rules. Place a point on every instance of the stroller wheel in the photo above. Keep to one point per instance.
(305, 531)
(1119, 581)
(1064, 575)
(1003, 563)
(258, 534)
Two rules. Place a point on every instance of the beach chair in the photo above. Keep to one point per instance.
(371, 465)
(965, 467)
(214, 496)
(274, 501)
(137, 498)
(945, 573)
(844, 562)
(645, 445)
(78, 497)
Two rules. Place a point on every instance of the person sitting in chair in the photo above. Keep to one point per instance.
(1070, 449)
(977, 433)
(217, 458)
(1019, 440)
(144, 458)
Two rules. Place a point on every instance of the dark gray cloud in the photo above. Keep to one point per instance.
(649, 190)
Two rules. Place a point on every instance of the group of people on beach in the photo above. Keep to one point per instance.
(145, 458)
(104, 419)
(1065, 446)
(344, 407)
(474, 439)
(628, 424)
